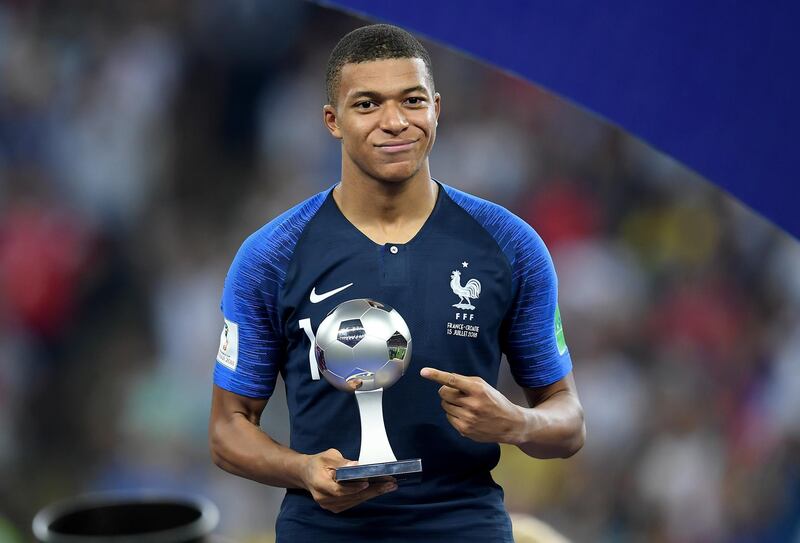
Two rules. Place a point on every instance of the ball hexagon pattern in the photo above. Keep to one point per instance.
(363, 339)
(350, 332)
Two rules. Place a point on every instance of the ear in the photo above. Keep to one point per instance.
(331, 121)
(437, 105)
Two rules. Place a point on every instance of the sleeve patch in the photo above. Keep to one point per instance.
(228, 354)
(559, 331)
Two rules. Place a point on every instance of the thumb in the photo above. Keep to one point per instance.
(333, 453)
(338, 460)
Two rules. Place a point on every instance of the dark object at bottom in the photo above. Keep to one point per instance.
(406, 471)
(123, 518)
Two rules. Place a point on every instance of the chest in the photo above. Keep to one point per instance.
(452, 294)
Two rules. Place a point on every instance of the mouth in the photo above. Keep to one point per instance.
(396, 146)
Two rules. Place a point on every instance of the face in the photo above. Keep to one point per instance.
(385, 117)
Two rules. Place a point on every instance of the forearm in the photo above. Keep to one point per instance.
(552, 429)
(240, 447)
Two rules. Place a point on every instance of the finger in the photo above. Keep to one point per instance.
(354, 384)
(452, 395)
(453, 380)
(336, 488)
(455, 423)
(334, 459)
(349, 489)
(370, 492)
(333, 456)
(456, 411)
(328, 485)
(342, 503)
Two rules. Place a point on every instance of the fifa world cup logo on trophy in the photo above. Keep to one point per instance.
(369, 341)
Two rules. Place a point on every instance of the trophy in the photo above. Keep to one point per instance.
(368, 341)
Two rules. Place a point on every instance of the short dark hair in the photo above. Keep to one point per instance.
(373, 42)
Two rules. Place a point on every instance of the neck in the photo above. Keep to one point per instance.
(371, 203)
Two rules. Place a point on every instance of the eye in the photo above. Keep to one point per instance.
(365, 105)
(415, 100)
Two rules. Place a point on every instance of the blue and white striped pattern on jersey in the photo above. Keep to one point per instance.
(250, 300)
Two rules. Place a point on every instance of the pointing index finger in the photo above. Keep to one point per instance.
(453, 380)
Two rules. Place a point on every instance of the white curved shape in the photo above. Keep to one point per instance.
(317, 298)
(305, 324)
(375, 447)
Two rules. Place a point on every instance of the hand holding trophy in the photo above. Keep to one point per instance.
(368, 342)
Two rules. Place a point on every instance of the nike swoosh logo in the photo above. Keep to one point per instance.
(317, 298)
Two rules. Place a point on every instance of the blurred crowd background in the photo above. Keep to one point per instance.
(141, 142)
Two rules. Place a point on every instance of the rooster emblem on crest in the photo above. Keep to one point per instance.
(472, 290)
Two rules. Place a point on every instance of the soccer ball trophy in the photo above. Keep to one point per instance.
(369, 341)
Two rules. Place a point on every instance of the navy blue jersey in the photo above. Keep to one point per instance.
(475, 282)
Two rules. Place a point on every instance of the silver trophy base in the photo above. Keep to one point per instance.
(403, 471)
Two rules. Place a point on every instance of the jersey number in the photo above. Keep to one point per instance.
(305, 324)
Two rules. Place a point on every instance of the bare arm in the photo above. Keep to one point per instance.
(239, 446)
(551, 428)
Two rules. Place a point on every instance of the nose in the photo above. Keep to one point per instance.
(393, 119)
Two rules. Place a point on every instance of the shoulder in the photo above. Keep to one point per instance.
(515, 237)
(272, 245)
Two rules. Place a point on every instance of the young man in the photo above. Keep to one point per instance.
(471, 280)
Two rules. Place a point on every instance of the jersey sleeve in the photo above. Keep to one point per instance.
(252, 347)
(532, 335)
